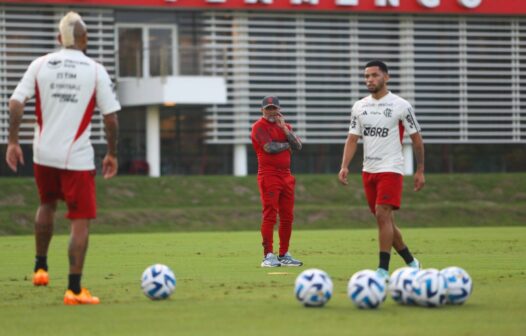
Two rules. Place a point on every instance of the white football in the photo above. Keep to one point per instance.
(366, 289)
(313, 288)
(401, 285)
(158, 282)
(429, 288)
(459, 285)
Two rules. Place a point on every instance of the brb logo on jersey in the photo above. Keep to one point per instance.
(372, 131)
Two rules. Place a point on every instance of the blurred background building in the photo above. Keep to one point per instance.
(190, 76)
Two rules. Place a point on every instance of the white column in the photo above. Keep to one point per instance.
(153, 140)
(240, 160)
(408, 159)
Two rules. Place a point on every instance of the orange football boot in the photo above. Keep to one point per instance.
(40, 277)
(84, 297)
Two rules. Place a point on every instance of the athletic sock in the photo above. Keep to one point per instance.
(406, 255)
(74, 283)
(40, 262)
(384, 260)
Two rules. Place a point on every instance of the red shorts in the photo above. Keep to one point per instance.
(383, 188)
(75, 187)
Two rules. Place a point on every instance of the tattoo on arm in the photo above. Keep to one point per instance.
(276, 147)
(111, 128)
(16, 111)
(294, 141)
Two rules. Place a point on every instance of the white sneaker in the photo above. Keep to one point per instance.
(270, 260)
(415, 264)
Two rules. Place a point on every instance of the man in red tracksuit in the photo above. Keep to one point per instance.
(273, 141)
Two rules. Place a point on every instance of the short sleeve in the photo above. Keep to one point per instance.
(106, 97)
(26, 87)
(409, 120)
(260, 135)
(355, 127)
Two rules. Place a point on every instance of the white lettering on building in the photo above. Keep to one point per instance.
(470, 3)
(429, 3)
(300, 2)
(347, 2)
(385, 3)
(266, 2)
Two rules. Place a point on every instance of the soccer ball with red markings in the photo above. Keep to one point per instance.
(313, 288)
(158, 282)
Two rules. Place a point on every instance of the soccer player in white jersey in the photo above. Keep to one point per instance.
(67, 85)
(380, 119)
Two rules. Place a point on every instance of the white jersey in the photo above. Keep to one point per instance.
(67, 85)
(381, 124)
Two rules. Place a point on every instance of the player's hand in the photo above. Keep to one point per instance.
(280, 120)
(13, 156)
(342, 176)
(109, 166)
(419, 180)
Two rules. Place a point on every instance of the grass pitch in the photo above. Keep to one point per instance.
(221, 290)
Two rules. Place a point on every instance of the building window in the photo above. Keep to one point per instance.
(130, 52)
(146, 50)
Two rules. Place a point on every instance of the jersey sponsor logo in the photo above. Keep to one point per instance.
(54, 64)
(410, 120)
(354, 122)
(363, 113)
(388, 113)
(381, 132)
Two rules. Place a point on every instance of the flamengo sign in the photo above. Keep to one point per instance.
(379, 3)
(469, 7)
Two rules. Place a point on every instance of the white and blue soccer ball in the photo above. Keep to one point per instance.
(401, 285)
(313, 288)
(367, 289)
(459, 285)
(429, 288)
(158, 282)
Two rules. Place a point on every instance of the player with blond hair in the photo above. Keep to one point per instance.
(67, 86)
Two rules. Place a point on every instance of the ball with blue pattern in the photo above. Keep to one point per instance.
(401, 285)
(429, 288)
(459, 285)
(158, 282)
(367, 289)
(313, 288)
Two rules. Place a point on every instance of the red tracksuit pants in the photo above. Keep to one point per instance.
(277, 198)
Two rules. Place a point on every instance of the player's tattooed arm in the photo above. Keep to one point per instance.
(276, 147)
(294, 140)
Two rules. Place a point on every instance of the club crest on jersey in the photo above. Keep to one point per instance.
(54, 64)
(388, 112)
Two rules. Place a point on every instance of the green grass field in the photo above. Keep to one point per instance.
(221, 290)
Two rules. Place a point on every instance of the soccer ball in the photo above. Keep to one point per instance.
(429, 288)
(158, 282)
(401, 285)
(459, 285)
(313, 288)
(366, 289)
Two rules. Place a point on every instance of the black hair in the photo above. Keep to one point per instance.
(379, 64)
